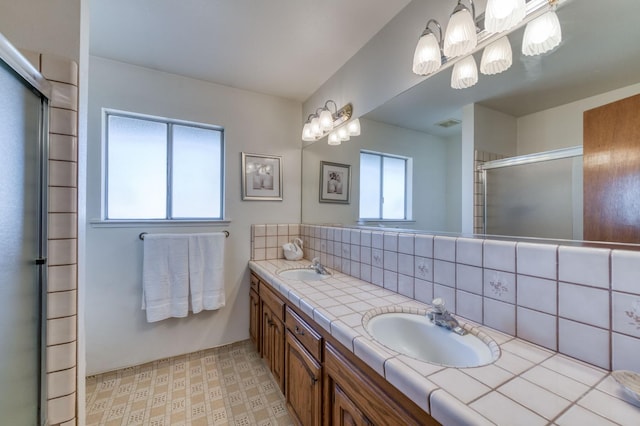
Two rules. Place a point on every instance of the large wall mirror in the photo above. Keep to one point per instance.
(535, 106)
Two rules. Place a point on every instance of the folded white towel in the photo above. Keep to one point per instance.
(165, 276)
(206, 271)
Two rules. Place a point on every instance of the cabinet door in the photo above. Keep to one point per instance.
(277, 362)
(345, 412)
(303, 383)
(254, 319)
(267, 339)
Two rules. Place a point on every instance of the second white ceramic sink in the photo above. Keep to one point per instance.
(303, 274)
(416, 336)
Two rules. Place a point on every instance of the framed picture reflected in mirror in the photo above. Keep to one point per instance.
(335, 181)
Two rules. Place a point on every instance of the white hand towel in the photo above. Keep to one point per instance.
(206, 271)
(165, 276)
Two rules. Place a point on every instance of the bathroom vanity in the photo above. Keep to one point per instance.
(332, 371)
(324, 383)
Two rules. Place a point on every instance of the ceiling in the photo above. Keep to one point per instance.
(599, 52)
(286, 48)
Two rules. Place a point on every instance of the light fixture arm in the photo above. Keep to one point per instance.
(461, 6)
(335, 106)
(427, 31)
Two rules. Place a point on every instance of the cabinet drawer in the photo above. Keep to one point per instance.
(274, 302)
(255, 283)
(309, 338)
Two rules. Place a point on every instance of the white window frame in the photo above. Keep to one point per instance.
(106, 113)
(408, 188)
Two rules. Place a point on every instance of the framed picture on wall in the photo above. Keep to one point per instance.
(261, 177)
(335, 181)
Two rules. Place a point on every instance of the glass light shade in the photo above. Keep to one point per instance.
(326, 120)
(496, 57)
(307, 134)
(427, 58)
(502, 15)
(315, 127)
(354, 128)
(460, 37)
(343, 134)
(334, 139)
(542, 34)
(465, 73)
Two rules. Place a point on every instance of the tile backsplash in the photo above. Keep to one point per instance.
(580, 301)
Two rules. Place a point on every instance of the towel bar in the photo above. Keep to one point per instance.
(142, 234)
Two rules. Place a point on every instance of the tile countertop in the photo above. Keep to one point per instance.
(527, 385)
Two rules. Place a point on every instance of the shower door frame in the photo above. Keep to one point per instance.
(33, 80)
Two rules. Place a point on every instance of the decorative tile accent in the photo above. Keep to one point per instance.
(626, 314)
(625, 271)
(500, 285)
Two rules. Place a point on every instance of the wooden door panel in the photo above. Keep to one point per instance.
(303, 383)
(611, 166)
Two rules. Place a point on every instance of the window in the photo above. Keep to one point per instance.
(158, 168)
(383, 186)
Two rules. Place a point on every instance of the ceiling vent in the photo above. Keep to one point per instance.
(450, 122)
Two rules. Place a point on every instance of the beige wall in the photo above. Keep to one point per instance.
(117, 332)
(561, 127)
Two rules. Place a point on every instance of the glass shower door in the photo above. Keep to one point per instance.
(22, 249)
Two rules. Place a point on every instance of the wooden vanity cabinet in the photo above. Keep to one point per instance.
(324, 383)
(303, 371)
(254, 319)
(352, 397)
(273, 336)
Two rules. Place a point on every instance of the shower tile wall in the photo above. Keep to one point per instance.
(61, 336)
(581, 301)
(480, 157)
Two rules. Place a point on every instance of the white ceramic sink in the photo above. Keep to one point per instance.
(416, 336)
(302, 274)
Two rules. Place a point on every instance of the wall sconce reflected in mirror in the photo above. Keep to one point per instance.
(427, 58)
(461, 36)
(496, 57)
(502, 15)
(323, 122)
(542, 34)
(465, 73)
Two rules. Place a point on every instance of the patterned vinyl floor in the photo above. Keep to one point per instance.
(229, 385)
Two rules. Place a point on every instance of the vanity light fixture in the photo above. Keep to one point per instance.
(542, 34)
(465, 73)
(319, 124)
(461, 35)
(334, 139)
(427, 58)
(496, 57)
(354, 127)
(502, 15)
(323, 122)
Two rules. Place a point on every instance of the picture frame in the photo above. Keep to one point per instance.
(261, 177)
(335, 182)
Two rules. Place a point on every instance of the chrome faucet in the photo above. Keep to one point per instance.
(441, 317)
(317, 266)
